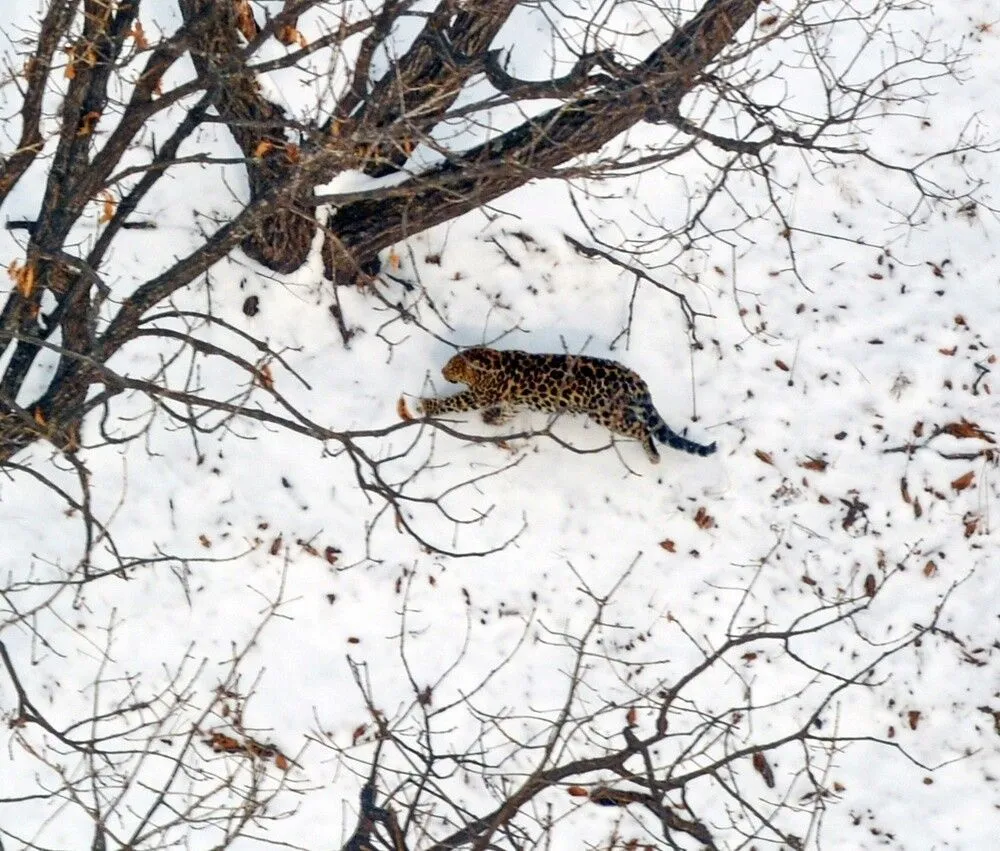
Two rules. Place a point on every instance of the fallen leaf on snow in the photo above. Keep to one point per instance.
(962, 482)
(703, 519)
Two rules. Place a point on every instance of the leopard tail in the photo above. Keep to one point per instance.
(665, 434)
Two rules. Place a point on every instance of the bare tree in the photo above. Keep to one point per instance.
(726, 739)
(149, 767)
(682, 756)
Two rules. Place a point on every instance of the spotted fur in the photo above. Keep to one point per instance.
(501, 382)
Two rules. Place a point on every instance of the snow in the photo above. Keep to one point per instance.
(875, 327)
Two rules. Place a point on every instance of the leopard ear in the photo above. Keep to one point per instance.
(478, 358)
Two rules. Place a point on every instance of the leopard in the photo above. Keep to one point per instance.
(502, 382)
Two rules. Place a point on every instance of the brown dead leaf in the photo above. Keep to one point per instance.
(949, 352)
(631, 717)
(290, 35)
(87, 123)
(265, 378)
(749, 657)
(962, 482)
(762, 767)
(403, 412)
(281, 761)
(276, 545)
(245, 21)
(359, 731)
(917, 510)
(108, 205)
(870, 585)
(23, 278)
(668, 545)
(139, 36)
(331, 554)
(204, 540)
(264, 147)
(393, 259)
(221, 743)
(918, 429)
(930, 569)
(966, 429)
(904, 490)
(292, 153)
(764, 456)
(971, 522)
(702, 519)
(913, 718)
(577, 791)
(817, 464)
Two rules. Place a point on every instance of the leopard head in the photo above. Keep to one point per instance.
(472, 366)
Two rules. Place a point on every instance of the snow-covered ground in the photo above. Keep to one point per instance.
(809, 374)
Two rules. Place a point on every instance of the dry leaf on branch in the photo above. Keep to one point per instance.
(764, 769)
(764, 456)
(264, 147)
(139, 36)
(87, 123)
(264, 377)
(245, 21)
(23, 277)
(966, 429)
(870, 585)
(403, 412)
(290, 35)
(108, 205)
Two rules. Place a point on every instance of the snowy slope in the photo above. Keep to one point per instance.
(810, 380)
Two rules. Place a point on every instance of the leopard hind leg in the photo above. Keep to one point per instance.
(623, 420)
